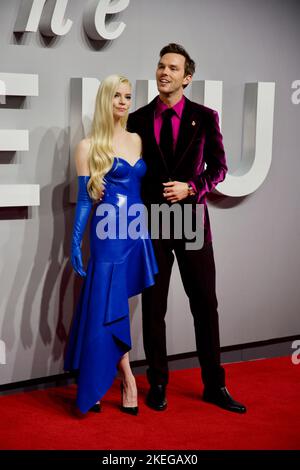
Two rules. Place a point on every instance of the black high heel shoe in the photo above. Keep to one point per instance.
(131, 410)
(96, 408)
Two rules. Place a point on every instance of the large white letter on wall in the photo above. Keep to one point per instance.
(12, 140)
(257, 142)
(146, 90)
(2, 92)
(94, 19)
(32, 13)
(2, 352)
(257, 133)
(209, 93)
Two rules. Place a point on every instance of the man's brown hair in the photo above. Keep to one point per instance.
(173, 48)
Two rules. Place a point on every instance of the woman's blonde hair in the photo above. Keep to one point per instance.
(101, 154)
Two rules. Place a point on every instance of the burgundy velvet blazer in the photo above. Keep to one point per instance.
(199, 154)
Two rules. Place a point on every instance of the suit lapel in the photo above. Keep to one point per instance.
(188, 128)
(189, 125)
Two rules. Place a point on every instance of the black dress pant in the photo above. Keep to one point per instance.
(197, 269)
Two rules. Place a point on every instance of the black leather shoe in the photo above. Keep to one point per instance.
(222, 398)
(96, 408)
(156, 397)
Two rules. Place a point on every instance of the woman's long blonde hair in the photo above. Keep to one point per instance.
(101, 154)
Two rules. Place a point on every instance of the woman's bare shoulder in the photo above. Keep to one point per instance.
(136, 142)
(84, 145)
(135, 137)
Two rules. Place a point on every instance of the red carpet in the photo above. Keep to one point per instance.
(270, 389)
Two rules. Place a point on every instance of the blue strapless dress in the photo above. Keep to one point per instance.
(117, 269)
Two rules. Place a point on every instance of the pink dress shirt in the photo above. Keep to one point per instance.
(176, 118)
(160, 108)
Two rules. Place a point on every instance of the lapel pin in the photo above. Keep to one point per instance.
(193, 123)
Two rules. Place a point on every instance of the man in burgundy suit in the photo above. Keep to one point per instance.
(183, 150)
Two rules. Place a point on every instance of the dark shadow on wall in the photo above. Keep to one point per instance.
(25, 38)
(54, 319)
(224, 202)
(15, 102)
(14, 213)
(99, 44)
(48, 275)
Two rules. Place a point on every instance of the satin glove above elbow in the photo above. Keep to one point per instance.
(83, 209)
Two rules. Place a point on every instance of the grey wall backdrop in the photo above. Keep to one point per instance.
(256, 238)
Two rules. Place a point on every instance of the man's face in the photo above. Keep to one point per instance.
(170, 75)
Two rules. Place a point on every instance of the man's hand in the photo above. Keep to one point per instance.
(175, 191)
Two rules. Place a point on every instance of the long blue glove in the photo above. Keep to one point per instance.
(83, 209)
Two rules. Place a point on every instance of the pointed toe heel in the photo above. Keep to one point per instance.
(130, 410)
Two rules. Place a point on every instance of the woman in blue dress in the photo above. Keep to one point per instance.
(122, 262)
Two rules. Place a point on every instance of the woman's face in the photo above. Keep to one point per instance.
(121, 101)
